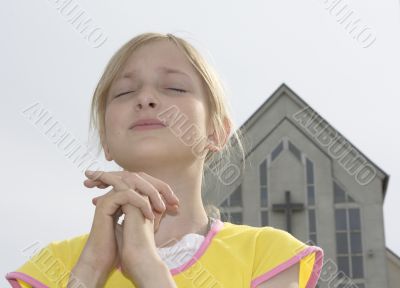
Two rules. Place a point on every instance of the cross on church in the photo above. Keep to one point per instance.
(288, 207)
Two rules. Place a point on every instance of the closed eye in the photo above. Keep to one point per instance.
(173, 89)
(123, 94)
(177, 90)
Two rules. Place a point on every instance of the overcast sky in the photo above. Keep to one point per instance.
(350, 78)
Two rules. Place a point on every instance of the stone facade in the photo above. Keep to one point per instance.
(335, 191)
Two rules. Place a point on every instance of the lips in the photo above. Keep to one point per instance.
(148, 121)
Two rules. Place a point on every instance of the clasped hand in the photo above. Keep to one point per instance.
(143, 200)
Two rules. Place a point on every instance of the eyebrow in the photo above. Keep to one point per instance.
(163, 69)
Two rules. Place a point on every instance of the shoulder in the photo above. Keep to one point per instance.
(49, 265)
(267, 238)
(280, 253)
(272, 252)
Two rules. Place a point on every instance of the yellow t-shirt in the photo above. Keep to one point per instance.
(231, 255)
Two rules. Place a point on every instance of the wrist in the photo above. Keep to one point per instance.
(141, 265)
(149, 272)
(86, 275)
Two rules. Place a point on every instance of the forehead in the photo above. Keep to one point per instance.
(162, 56)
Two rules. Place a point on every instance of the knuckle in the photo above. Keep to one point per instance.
(125, 172)
(130, 177)
(131, 197)
(166, 185)
(136, 175)
(126, 197)
(141, 173)
(143, 202)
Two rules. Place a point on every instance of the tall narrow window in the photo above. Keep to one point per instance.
(349, 248)
(263, 184)
(278, 149)
(231, 208)
(295, 151)
(312, 220)
(264, 192)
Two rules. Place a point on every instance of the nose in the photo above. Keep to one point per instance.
(146, 99)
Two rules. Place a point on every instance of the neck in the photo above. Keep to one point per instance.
(191, 216)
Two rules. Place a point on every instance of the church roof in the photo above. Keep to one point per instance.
(393, 257)
(284, 90)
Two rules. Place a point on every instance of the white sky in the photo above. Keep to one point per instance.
(255, 46)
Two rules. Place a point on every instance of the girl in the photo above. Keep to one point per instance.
(166, 238)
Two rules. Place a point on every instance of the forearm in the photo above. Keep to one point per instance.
(85, 276)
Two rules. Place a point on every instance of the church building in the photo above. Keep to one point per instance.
(301, 175)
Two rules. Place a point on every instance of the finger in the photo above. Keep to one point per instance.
(112, 202)
(94, 183)
(93, 174)
(162, 187)
(133, 223)
(96, 199)
(170, 208)
(107, 178)
(118, 231)
(139, 184)
(157, 220)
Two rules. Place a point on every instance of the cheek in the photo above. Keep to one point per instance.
(113, 118)
(197, 115)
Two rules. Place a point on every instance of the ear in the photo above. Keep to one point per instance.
(217, 144)
(106, 149)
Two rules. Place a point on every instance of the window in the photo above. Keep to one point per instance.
(278, 149)
(264, 218)
(348, 235)
(310, 172)
(340, 220)
(312, 226)
(342, 246)
(296, 152)
(236, 197)
(263, 184)
(339, 195)
(264, 192)
(236, 217)
(231, 208)
(354, 219)
(312, 229)
(310, 195)
(233, 217)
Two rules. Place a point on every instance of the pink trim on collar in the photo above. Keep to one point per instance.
(13, 276)
(215, 228)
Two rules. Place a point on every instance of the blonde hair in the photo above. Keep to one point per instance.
(217, 105)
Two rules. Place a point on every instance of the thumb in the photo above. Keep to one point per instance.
(94, 200)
